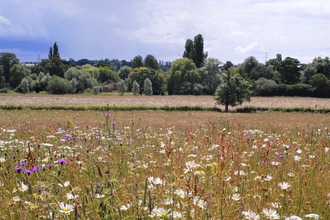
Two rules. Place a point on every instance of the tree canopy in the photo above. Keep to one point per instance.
(194, 50)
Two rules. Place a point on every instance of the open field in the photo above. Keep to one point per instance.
(203, 101)
(162, 165)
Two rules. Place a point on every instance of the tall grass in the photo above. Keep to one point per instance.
(111, 171)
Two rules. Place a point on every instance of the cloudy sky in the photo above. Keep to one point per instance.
(99, 29)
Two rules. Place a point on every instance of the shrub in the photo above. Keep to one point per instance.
(121, 87)
(265, 87)
(58, 85)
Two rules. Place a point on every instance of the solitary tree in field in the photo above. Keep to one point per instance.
(233, 90)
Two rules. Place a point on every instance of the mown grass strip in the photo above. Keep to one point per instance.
(246, 109)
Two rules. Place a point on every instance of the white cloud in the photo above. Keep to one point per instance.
(4, 20)
(252, 47)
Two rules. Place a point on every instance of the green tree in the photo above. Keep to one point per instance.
(138, 74)
(7, 61)
(289, 71)
(136, 88)
(210, 73)
(233, 91)
(158, 82)
(106, 74)
(189, 49)
(124, 72)
(151, 62)
(265, 87)
(137, 62)
(319, 65)
(25, 85)
(194, 50)
(199, 55)
(321, 85)
(58, 85)
(249, 64)
(73, 85)
(92, 70)
(17, 73)
(182, 77)
(121, 86)
(147, 87)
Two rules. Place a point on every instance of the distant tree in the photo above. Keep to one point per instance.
(289, 71)
(194, 50)
(58, 85)
(151, 62)
(73, 85)
(55, 50)
(147, 87)
(182, 77)
(200, 56)
(25, 85)
(92, 70)
(189, 49)
(265, 87)
(137, 62)
(158, 82)
(17, 73)
(318, 65)
(233, 90)
(260, 71)
(136, 88)
(104, 63)
(139, 75)
(121, 86)
(250, 63)
(124, 72)
(321, 85)
(106, 74)
(210, 73)
(7, 61)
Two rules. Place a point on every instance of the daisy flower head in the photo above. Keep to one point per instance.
(270, 213)
(313, 216)
(65, 208)
(250, 215)
(284, 185)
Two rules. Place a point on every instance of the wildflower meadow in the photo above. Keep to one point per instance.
(216, 169)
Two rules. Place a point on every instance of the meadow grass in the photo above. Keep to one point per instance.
(164, 165)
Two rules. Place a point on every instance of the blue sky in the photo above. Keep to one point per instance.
(99, 29)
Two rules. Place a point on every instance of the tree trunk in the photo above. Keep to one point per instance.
(226, 108)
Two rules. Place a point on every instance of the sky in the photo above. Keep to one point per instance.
(232, 29)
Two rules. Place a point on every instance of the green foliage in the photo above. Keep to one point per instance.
(158, 82)
(25, 85)
(210, 74)
(73, 86)
(182, 76)
(124, 72)
(94, 71)
(151, 62)
(289, 71)
(265, 87)
(147, 87)
(139, 75)
(137, 62)
(194, 50)
(7, 61)
(233, 91)
(17, 73)
(321, 85)
(107, 74)
(249, 64)
(136, 88)
(318, 65)
(58, 85)
(121, 86)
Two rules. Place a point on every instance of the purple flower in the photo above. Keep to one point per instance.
(62, 161)
(107, 115)
(28, 172)
(22, 163)
(18, 169)
(281, 155)
(113, 123)
(35, 168)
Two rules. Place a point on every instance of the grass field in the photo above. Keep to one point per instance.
(163, 165)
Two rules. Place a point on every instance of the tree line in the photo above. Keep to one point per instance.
(193, 74)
